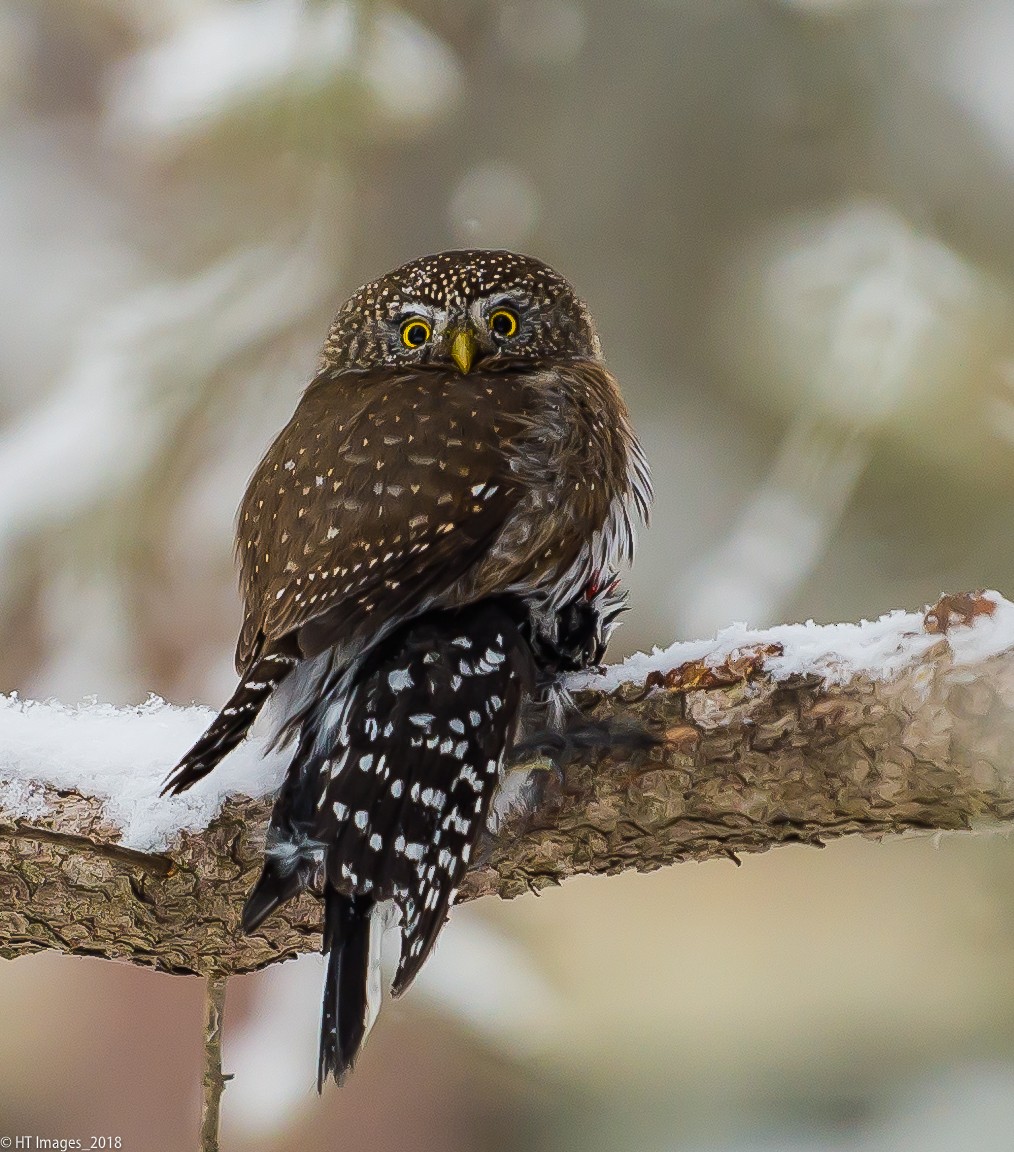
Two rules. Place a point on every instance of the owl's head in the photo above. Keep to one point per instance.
(460, 310)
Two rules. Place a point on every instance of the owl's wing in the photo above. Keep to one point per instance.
(381, 493)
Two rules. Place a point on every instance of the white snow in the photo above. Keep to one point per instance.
(121, 756)
(881, 648)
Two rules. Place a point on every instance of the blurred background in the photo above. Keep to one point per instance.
(792, 220)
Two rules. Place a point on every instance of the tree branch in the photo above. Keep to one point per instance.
(751, 749)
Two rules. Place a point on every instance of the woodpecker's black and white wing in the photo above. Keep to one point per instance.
(387, 794)
(429, 732)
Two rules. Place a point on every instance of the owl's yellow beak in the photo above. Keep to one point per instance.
(463, 349)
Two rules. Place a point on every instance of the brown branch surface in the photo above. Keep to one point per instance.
(741, 763)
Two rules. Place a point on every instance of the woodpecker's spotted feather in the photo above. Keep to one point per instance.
(392, 780)
(425, 548)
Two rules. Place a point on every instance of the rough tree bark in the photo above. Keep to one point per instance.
(742, 762)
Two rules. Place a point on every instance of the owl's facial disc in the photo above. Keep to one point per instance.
(478, 332)
(483, 332)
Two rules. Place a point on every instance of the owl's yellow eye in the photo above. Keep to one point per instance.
(415, 333)
(503, 323)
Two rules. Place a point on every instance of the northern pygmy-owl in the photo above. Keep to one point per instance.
(454, 489)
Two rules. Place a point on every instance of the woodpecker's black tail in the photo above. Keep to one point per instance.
(232, 723)
(350, 988)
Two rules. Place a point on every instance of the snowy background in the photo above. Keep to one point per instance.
(792, 221)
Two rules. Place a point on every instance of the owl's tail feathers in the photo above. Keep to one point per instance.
(232, 723)
(352, 986)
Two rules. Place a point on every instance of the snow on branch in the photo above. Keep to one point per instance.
(799, 733)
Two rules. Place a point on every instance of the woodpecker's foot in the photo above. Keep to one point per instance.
(562, 746)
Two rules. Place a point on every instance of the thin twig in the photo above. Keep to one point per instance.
(213, 1084)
